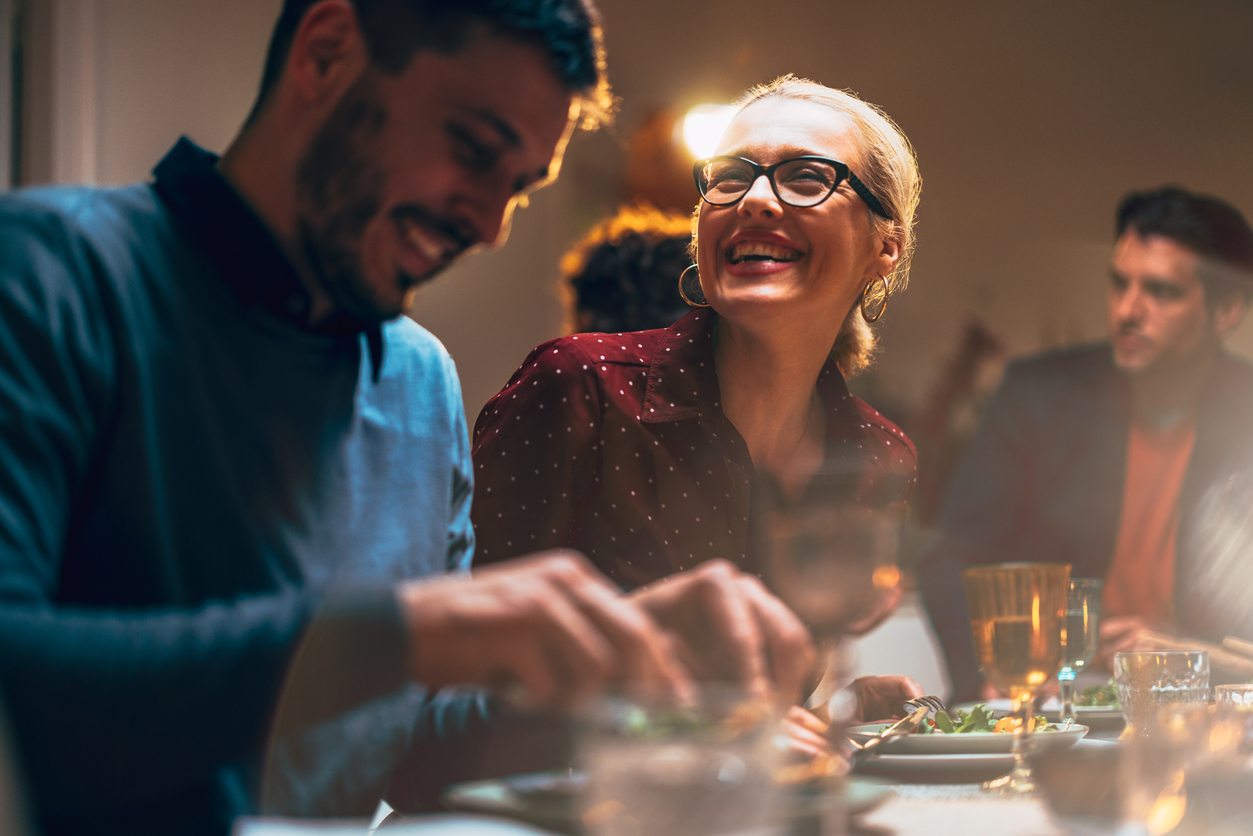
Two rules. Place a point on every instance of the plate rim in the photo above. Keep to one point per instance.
(1078, 732)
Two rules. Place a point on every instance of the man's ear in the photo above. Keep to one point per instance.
(327, 53)
(1229, 313)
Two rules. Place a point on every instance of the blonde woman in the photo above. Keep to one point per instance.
(641, 450)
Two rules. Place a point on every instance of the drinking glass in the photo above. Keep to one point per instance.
(1237, 701)
(828, 546)
(1181, 752)
(1147, 678)
(703, 771)
(1239, 696)
(832, 564)
(1080, 638)
(1016, 616)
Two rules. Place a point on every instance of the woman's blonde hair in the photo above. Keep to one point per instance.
(889, 169)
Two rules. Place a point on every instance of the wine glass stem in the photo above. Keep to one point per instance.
(1022, 738)
(1067, 687)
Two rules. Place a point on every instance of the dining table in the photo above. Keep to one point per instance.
(900, 808)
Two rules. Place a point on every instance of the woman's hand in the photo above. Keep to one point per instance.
(805, 733)
(883, 697)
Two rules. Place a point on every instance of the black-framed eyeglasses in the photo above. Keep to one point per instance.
(801, 181)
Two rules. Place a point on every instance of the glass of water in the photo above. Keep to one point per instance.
(1146, 679)
(708, 770)
(1083, 620)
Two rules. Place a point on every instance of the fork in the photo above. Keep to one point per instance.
(933, 704)
(907, 725)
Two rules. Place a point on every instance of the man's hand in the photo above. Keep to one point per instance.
(549, 623)
(883, 697)
(727, 626)
(1118, 634)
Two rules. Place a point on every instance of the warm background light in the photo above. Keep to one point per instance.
(703, 126)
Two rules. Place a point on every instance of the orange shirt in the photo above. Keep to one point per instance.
(1141, 578)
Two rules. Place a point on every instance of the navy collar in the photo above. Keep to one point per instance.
(249, 260)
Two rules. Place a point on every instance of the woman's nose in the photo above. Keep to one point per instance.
(760, 197)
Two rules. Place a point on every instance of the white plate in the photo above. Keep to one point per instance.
(1095, 717)
(945, 769)
(549, 799)
(971, 743)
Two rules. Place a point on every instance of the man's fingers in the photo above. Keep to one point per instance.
(734, 622)
(527, 666)
(792, 652)
(576, 653)
(646, 657)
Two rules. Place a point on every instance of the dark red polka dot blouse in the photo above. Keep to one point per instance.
(616, 445)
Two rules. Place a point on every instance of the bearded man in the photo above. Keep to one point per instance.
(227, 459)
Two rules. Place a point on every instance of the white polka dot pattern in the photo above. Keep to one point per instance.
(616, 445)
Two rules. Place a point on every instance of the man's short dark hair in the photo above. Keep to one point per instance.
(1211, 228)
(568, 30)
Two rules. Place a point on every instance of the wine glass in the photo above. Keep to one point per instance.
(1016, 616)
(833, 564)
(828, 540)
(1080, 639)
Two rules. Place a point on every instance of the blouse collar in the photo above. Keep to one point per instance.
(683, 383)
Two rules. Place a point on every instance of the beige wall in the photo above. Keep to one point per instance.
(1030, 121)
(173, 67)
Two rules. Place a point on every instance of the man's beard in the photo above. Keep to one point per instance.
(340, 191)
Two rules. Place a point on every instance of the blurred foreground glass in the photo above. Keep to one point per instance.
(1080, 639)
(669, 771)
(833, 564)
(1177, 746)
(1238, 700)
(1016, 616)
(1148, 678)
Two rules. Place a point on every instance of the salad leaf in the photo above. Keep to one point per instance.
(978, 719)
(1106, 694)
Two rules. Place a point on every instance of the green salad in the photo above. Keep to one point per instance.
(1106, 694)
(978, 719)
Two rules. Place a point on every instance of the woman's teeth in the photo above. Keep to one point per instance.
(758, 251)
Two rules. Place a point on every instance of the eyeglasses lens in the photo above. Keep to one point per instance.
(797, 182)
(805, 182)
(726, 181)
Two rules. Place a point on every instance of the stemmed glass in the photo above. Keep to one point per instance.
(833, 564)
(1016, 617)
(1083, 619)
(828, 540)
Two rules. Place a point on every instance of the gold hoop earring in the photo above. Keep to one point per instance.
(694, 296)
(883, 306)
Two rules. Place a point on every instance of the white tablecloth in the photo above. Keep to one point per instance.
(957, 810)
